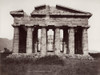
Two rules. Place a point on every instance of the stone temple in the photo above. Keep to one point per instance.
(51, 30)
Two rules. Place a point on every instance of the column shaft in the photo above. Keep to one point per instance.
(71, 41)
(85, 41)
(29, 40)
(57, 41)
(43, 41)
(16, 40)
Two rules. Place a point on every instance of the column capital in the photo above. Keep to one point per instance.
(85, 27)
(29, 25)
(72, 26)
(15, 25)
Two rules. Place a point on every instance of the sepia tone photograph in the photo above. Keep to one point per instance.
(49, 37)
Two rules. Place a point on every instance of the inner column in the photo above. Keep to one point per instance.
(65, 40)
(61, 40)
(50, 40)
(35, 40)
(39, 40)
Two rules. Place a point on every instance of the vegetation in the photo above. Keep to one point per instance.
(32, 59)
(23, 64)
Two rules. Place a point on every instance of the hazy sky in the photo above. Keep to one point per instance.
(93, 6)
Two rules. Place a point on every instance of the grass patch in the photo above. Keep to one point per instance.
(33, 59)
(50, 60)
(49, 65)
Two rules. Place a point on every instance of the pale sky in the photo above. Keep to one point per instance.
(92, 6)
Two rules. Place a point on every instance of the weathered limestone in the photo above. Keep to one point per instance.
(85, 41)
(57, 41)
(75, 41)
(16, 40)
(29, 40)
(71, 40)
(43, 47)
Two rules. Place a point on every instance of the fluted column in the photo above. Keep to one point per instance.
(85, 41)
(16, 40)
(43, 41)
(71, 40)
(29, 40)
(57, 41)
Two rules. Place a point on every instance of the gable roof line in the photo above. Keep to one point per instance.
(60, 6)
(40, 6)
(81, 11)
(63, 7)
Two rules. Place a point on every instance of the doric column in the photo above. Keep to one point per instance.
(85, 41)
(57, 41)
(71, 40)
(43, 41)
(16, 40)
(29, 40)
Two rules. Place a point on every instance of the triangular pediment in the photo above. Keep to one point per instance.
(58, 10)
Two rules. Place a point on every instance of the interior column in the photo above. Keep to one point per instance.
(65, 40)
(16, 40)
(29, 40)
(85, 41)
(71, 40)
(36, 43)
(57, 41)
(43, 41)
(35, 40)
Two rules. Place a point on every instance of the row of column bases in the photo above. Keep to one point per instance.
(43, 47)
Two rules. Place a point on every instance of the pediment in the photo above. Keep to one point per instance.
(58, 10)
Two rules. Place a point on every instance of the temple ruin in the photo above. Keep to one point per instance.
(51, 30)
